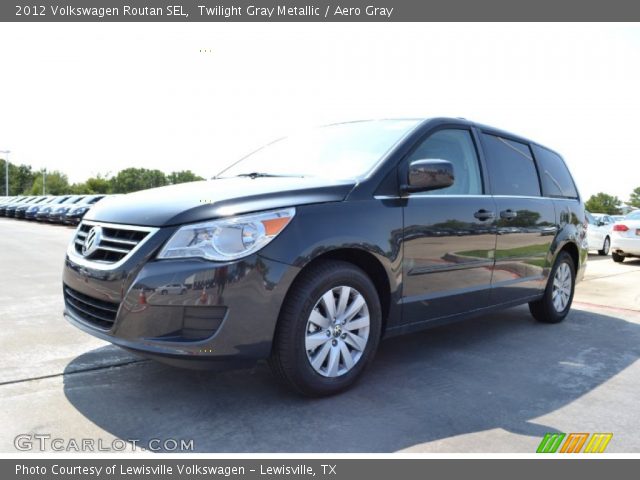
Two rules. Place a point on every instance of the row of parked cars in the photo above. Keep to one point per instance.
(618, 234)
(67, 209)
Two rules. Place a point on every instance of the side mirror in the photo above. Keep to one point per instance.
(428, 174)
(601, 223)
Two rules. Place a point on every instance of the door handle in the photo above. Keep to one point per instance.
(508, 214)
(483, 214)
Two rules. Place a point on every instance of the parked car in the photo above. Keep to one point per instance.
(10, 210)
(33, 211)
(310, 250)
(57, 211)
(625, 240)
(22, 209)
(78, 210)
(599, 232)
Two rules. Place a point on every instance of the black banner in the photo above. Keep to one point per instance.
(314, 11)
(320, 469)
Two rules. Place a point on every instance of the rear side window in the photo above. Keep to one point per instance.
(511, 167)
(556, 179)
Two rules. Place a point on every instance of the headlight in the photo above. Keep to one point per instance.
(227, 238)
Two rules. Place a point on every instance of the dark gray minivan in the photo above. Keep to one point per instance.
(312, 249)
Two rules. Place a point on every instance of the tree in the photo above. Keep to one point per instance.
(98, 184)
(634, 199)
(20, 178)
(183, 176)
(603, 203)
(56, 183)
(133, 179)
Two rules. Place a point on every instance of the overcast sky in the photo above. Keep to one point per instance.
(96, 98)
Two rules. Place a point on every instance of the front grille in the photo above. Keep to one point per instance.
(92, 310)
(113, 243)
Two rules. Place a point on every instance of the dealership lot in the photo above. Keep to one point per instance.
(496, 383)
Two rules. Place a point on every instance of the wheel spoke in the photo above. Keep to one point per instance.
(334, 362)
(358, 323)
(319, 358)
(317, 319)
(347, 359)
(314, 340)
(329, 302)
(355, 341)
(343, 299)
(354, 308)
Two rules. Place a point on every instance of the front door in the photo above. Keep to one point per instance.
(449, 237)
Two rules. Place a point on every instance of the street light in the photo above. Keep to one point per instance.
(44, 179)
(6, 171)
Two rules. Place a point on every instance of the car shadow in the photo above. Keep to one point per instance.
(497, 371)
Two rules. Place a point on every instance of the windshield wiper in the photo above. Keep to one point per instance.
(263, 175)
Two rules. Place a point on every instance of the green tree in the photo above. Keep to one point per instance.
(134, 179)
(603, 203)
(634, 199)
(183, 176)
(20, 178)
(56, 183)
(98, 184)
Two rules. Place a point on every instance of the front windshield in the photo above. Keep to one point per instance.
(340, 151)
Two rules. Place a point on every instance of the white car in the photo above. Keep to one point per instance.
(625, 238)
(599, 232)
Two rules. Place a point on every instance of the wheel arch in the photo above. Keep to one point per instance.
(368, 263)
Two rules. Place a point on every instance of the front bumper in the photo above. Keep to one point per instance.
(226, 312)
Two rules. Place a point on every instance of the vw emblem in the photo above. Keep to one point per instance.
(92, 241)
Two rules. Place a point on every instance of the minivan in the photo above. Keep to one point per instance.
(312, 249)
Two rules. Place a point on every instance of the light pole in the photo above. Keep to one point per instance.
(44, 180)
(6, 171)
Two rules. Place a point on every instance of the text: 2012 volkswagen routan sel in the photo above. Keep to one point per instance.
(310, 250)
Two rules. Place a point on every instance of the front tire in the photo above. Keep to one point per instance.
(605, 247)
(555, 304)
(328, 330)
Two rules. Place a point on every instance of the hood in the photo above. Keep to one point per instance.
(206, 200)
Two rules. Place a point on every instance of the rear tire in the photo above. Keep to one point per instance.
(555, 304)
(332, 308)
(617, 257)
(605, 247)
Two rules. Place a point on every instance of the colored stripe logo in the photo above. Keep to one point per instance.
(573, 442)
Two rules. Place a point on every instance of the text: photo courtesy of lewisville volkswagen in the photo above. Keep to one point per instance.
(310, 250)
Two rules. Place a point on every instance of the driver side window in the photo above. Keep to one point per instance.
(455, 146)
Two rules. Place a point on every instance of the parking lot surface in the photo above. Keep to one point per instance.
(496, 383)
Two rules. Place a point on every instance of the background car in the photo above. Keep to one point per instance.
(599, 232)
(11, 208)
(78, 210)
(32, 212)
(625, 238)
(55, 215)
(22, 209)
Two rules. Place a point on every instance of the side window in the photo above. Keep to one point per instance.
(590, 219)
(511, 167)
(455, 146)
(556, 179)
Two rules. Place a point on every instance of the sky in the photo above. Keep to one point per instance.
(96, 98)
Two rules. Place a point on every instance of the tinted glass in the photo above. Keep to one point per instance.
(455, 146)
(556, 179)
(590, 219)
(511, 167)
